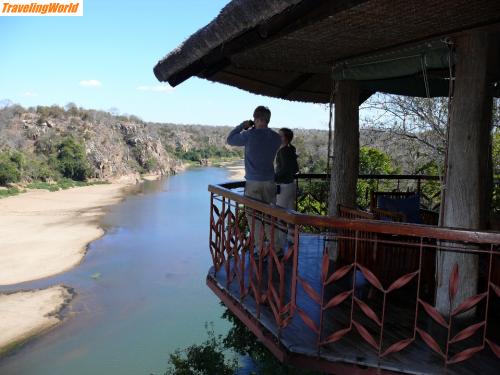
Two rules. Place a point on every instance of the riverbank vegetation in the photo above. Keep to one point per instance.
(61, 165)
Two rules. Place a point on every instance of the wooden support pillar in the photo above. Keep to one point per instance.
(345, 162)
(469, 169)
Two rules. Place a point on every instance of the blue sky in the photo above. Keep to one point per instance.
(105, 59)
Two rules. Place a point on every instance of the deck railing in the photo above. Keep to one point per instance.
(341, 295)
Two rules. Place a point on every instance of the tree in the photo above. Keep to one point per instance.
(374, 161)
(10, 171)
(371, 161)
(206, 358)
(71, 160)
(409, 118)
(211, 356)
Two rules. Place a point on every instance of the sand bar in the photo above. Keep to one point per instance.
(237, 171)
(29, 313)
(44, 233)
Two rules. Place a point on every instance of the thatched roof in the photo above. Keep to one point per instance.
(287, 48)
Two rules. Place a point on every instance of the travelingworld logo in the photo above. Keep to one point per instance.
(41, 8)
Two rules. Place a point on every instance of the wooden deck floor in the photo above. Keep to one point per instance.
(298, 339)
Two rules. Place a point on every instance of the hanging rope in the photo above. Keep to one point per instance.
(423, 64)
(330, 118)
(451, 87)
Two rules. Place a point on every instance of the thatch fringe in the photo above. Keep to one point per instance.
(234, 19)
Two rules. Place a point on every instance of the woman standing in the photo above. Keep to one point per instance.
(286, 169)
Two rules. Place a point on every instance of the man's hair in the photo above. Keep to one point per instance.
(288, 133)
(262, 113)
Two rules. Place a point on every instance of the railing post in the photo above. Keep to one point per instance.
(223, 244)
(211, 233)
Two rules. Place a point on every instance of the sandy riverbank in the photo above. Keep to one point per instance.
(29, 313)
(237, 171)
(44, 233)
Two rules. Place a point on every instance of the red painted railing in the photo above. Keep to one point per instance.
(354, 296)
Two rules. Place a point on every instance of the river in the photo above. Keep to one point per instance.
(141, 289)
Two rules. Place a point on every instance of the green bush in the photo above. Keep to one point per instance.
(9, 192)
(72, 161)
(205, 359)
(40, 170)
(207, 152)
(150, 165)
(372, 161)
(218, 354)
(43, 186)
(10, 168)
(496, 171)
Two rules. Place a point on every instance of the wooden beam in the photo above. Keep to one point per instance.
(467, 195)
(295, 84)
(345, 161)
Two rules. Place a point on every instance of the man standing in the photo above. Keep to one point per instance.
(261, 145)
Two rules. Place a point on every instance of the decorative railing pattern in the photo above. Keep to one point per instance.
(363, 292)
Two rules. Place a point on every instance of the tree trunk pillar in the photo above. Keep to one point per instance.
(345, 161)
(468, 177)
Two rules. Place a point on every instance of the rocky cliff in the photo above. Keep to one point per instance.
(114, 146)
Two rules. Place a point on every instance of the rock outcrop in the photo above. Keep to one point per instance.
(114, 146)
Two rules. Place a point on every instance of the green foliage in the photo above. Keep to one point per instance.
(50, 111)
(72, 161)
(372, 161)
(18, 158)
(151, 165)
(313, 197)
(216, 355)
(207, 358)
(67, 183)
(9, 192)
(240, 340)
(38, 169)
(42, 185)
(496, 171)
(11, 166)
(430, 190)
(208, 152)
(63, 183)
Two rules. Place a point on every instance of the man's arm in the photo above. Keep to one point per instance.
(236, 137)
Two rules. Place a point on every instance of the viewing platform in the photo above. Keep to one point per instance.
(355, 294)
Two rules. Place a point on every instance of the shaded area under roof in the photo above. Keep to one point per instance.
(290, 49)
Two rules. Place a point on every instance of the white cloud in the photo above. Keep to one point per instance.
(157, 88)
(30, 94)
(90, 83)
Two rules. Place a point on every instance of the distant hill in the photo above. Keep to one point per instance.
(117, 145)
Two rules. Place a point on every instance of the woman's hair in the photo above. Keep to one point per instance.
(288, 133)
